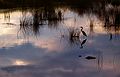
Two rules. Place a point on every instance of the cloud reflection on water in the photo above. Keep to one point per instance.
(63, 63)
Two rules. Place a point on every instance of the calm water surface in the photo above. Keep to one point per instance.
(49, 51)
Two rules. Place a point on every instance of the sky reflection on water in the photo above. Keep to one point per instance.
(50, 55)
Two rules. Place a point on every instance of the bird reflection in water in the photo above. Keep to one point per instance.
(74, 37)
(83, 42)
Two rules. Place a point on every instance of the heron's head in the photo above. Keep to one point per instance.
(81, 28)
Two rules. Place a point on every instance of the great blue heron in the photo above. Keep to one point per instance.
(83, 32)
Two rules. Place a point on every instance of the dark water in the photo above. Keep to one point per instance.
(39, 42)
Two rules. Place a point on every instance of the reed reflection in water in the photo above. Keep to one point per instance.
(39, 18)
